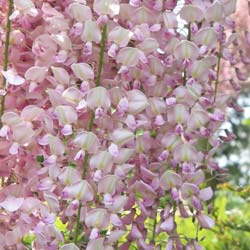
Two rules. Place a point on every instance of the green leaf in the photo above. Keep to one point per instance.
(40, 158)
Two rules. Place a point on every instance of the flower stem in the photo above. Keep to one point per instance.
(101, 55)
(217, 76)
(154, 225)
(91, 123)
(6, 55)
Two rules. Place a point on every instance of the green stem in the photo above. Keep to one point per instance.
(6, 54)
(91, 124)
(101, 55)
(217, 76)
(154, 225)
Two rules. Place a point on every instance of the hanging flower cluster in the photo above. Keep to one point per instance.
(109, 119)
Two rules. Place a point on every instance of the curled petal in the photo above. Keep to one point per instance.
(96, 244)
(191, 13)
(91, 32)
(27, 7)
(52, 202)
(69, 176)
(56, 145)
(22, 133)
(11, 118)
(206, 36)
(98, 98)
(108, 184)
(12, 77)
(82, 71)
(66, 115)
(80, 12)
(61, 75)
(168, 224)
(115, 235)
(206, 194)
(87, 141)
(106, 7)
(97, 218)
(102, 161)
(11, 203)
(122, 136)
(186, 50)
(137, 101)
(70, 246)
(120, 36)
(170, 19)
(205, 221)
(128, 56)
(80, 190)
(169, 180)
(31, 113)
(188, 190)
(36, 74)
(72, 95)
(215, 12)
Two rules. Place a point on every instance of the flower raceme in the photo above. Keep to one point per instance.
(109, 119)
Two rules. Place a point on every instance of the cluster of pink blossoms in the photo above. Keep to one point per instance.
(110, 119)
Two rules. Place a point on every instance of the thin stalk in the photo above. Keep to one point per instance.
(154, 225)
(101, 55)
(91, 123)
(217, 75)
(6, 55)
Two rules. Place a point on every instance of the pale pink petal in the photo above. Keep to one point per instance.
(80, 12)
(70, 246)
(102, 161)
(82, 71)
(108, 184)
(205, 221)
(87, 141)
(36, 74)
(98, 98)
(106, 7)
(91, 32)
(122, 136)
(61, 75)
(169, 180)
(206, 194)
(11, 203)
(120, 36)
(66, 114)
(128, 56)
(14, 148)
(186, 50)
(98, 218)
(81, 190)
(137, 101)
(191, 13)
(12, 78)
(56, 145)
